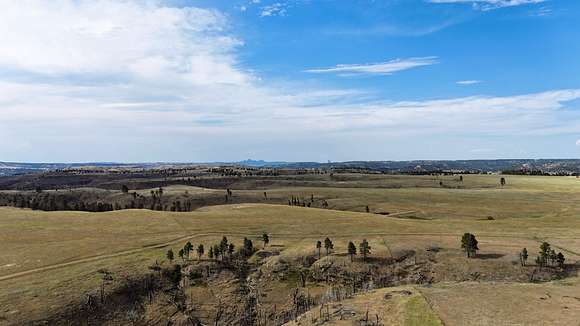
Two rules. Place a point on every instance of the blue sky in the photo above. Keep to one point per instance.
(296, 80)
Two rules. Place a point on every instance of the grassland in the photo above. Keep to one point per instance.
(476, 197)
(59, 253)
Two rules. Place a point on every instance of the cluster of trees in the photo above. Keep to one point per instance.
(244, 171)
(266, 172)
(364, 248)
(225, 249)
(222, 251)
(536, 172)
(93, 202)
(156, 197)
(547, 257)
(295, 201)
(176, 206)
(53, 202)
(229, 194)
(328, 246)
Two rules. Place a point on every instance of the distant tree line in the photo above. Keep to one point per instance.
(54, 202)
(540, 172)
(68, 200)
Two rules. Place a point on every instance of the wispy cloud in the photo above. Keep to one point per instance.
(276, 9)
(384, 68)
(392, 30)
(578, 142)
(468, 82)
(542, 12)
(491, 4)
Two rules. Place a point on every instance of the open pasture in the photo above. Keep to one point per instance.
(51, 259)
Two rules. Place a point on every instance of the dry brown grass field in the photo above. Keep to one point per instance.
(49, 260)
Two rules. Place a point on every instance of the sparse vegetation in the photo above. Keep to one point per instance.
(524, 256)
(238, 277)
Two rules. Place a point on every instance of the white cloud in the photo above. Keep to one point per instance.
(541, 12)
(128, 39)
(134, 122)
(468, 82)
(491, 4)
(95, 85)
(385, 68)
(578, 142)
(276, 9)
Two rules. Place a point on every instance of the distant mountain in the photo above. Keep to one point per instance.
(260, 163)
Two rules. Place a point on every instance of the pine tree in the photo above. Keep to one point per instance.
(187, 249)
(200, 250)
(351, 250)
(469, 244)
(231, 249)
(170, 255)
(364, 249)
(217, 251)
(318, 247)
(328, 245)
(248, 248)
(544, 253)
(265, 239)
(560, 258)
(223, 246)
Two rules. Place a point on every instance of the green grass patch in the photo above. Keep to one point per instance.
(418, 313)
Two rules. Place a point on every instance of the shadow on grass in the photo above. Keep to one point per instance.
(489, 256)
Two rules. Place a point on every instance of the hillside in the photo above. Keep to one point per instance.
(53, 261)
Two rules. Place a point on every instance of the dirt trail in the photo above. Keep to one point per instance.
(95, 258)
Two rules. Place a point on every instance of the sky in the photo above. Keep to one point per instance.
(288, 80)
